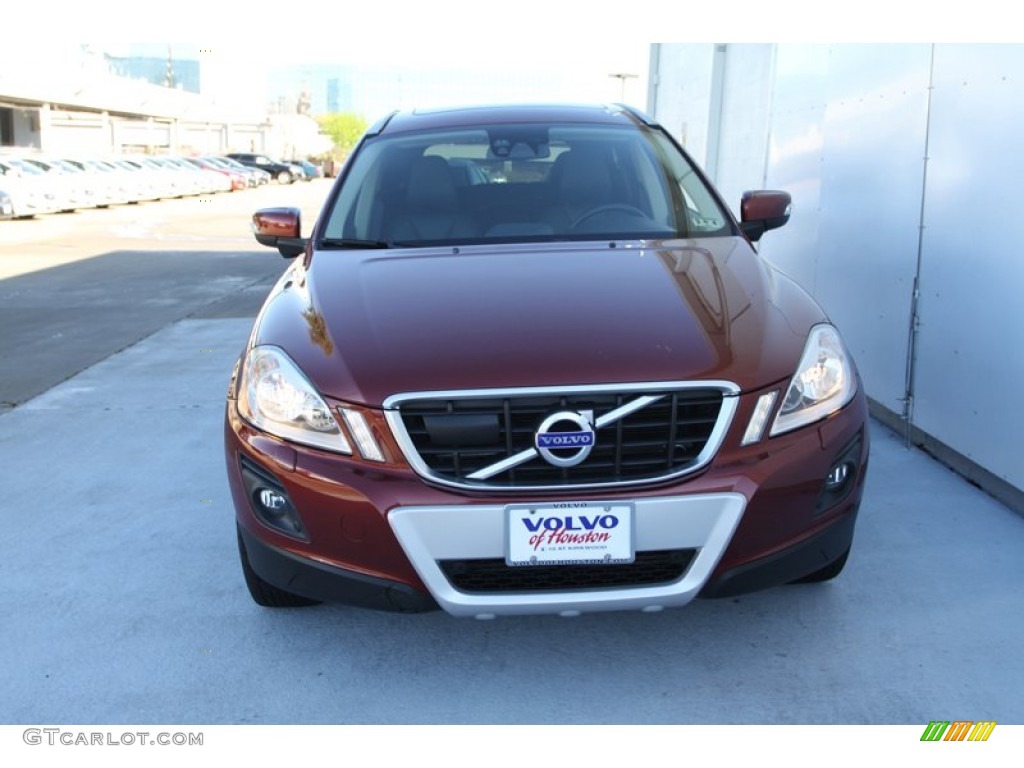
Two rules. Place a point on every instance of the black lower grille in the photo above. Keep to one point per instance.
(493, 575)
(457, 438)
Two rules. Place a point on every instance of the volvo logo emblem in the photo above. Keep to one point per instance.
(571, 433)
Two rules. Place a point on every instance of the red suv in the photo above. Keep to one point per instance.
(527, 362)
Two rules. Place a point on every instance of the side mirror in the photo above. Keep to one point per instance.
(763, 210)
(279, 228)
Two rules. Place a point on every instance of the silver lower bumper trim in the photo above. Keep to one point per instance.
(703, 522)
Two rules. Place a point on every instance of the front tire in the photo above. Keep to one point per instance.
(284, 178)
(264, 593)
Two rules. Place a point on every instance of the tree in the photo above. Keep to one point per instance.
(345, 129)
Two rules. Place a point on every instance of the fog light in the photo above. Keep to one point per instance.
(841, 476)
(272, 500)
(269, 501)
(837, 476)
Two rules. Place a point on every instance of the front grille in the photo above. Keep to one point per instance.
(493, 575)
(453, 438)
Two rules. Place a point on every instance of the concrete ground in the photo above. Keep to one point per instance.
(123, 601)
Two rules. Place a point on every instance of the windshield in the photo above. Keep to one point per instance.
(521, 182)
(27, 169)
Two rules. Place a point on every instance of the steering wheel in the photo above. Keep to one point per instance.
(609, 208)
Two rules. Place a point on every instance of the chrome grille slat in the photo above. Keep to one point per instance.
(644, 433)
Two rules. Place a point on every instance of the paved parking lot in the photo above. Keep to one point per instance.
(123, 601)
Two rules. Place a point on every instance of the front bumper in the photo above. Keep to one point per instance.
(431, 536)
(380, 537)
(320, 581)
(814, 553)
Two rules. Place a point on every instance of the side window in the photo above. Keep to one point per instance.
(358, 212)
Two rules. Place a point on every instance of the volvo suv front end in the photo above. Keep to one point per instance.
(563, 382)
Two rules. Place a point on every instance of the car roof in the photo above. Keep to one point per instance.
(432, 119)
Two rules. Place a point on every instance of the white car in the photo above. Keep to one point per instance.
(30, 192)
(68, 190)
(6, 205)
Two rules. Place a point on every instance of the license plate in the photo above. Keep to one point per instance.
(569, 533)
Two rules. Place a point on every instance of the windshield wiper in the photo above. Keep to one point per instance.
(348, 242)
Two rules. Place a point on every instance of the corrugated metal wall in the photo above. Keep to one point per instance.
(902, 161)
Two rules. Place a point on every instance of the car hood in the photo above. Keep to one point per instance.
(365, 325)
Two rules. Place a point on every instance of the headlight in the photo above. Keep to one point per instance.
(824, 382)
(276, 397)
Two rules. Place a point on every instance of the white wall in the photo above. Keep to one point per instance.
(846, 129)
(847, 141)
(745, 114)
(971, 351)
(77, 133)
(684, 94)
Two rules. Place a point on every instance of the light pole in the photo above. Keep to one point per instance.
(622, 78)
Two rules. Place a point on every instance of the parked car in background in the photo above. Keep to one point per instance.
(236, 179)
(258, 175)
(76, 193)
(56, 192)
(285, 173)
(121, 184)
(310, 170)
(31, 191)
(35, 183)
(570, 385)
(205, 181)
(134, 182)
(241, 176)
(101, 185)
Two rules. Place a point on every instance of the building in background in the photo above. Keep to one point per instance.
(182, 97)
(170, 70)
(87, 100)
(339, 95)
